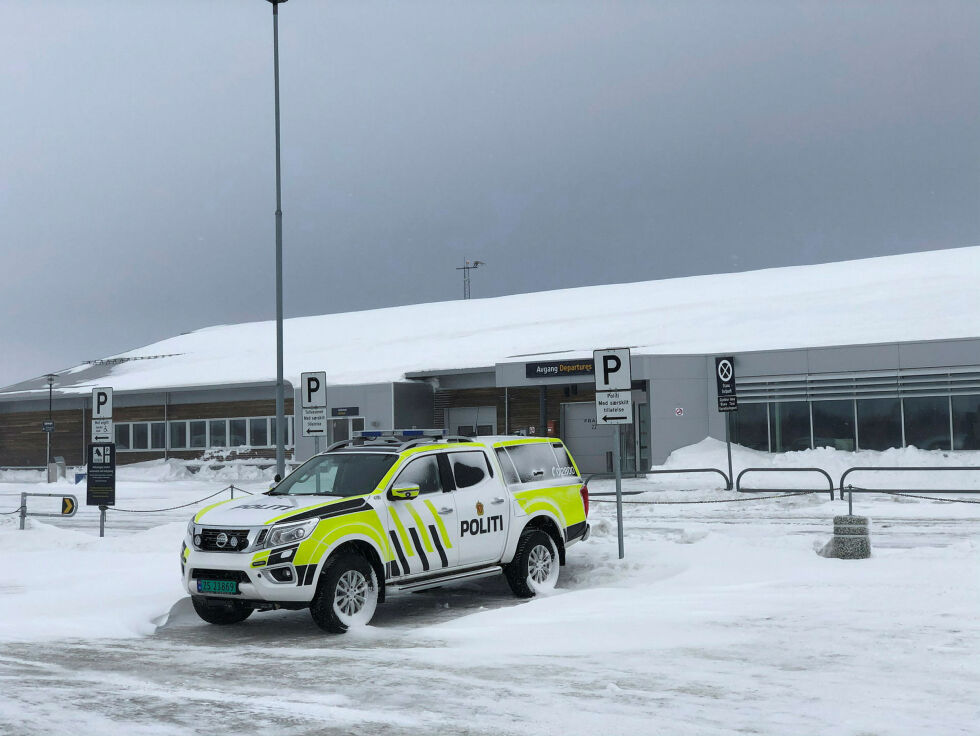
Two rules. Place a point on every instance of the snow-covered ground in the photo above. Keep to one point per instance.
(721, 619)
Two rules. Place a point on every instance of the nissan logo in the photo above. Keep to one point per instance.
(221, 540)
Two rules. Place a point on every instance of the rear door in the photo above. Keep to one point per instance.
(483, 514)
(422, 531)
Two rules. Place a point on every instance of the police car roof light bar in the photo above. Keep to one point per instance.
(374, 433)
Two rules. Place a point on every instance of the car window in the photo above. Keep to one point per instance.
(565, 468)
(423, 472)
(507, 467)
(469, 468)
(535, 462)
(336, 474)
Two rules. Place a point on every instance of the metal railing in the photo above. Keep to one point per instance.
(69, 505)
(588, 479)
(830, 481)
(851, 490)
(722, 473)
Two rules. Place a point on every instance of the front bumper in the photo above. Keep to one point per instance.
(259, 586)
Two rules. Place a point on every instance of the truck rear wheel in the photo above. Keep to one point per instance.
(220, 611)
(347, 594)
(534, 568)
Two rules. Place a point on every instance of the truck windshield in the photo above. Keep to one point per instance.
(336, 474)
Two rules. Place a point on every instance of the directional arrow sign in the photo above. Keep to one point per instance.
(67, 506)
(614, 407)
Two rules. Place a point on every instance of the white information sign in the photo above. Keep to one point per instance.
(102, 415)
(101, 431)
(614, 407)
(612, 369)
(313, 387)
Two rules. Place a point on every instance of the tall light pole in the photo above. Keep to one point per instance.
(48, 429)
(466, 268)
(280, 397)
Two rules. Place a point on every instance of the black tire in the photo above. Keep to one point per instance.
(221, 612)
(523, 570)
(347, 594)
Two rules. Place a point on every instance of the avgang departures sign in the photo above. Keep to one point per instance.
(558, 368)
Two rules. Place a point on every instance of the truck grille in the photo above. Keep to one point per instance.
(200, 573)
(210, 539)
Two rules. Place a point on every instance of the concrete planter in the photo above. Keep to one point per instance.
(851, 540)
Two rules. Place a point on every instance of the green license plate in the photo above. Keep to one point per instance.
(217, 586)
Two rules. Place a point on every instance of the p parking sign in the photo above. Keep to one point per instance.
(314, 403)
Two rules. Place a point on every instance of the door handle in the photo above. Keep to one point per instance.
(497, 500)
(445, 510)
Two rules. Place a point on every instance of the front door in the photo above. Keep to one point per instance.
(483, 515)
(422, 531)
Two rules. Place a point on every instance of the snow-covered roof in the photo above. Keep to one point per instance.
(920, 296)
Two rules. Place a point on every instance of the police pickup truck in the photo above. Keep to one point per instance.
(388, 512)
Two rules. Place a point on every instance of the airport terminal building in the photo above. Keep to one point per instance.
(872, 354)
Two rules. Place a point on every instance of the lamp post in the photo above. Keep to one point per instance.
(280, 397)
(47, 431)
(466, 268)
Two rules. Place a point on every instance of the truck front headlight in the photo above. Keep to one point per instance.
(287, 533)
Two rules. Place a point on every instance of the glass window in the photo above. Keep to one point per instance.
(141, 436)
(337, 474)
(966, 422)
(422, 472)
(565, 467)
(219, 436)
(534, 462)
(122, 436)
(507, 467)
(158, 435)
(236, 433)
(288, 438)
(198, 433)
(833, 425)
(466, 430)
(879, 424)
(469, 468)
(259, 432)
(789, 426)
(749, 426)
(178, 435)
(484, 430)
(927, 422)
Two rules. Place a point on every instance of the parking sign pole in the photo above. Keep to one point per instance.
(728, 443)
(619, 489)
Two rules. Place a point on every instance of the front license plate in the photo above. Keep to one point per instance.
(217, 586)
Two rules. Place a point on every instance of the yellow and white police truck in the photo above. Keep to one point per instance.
(388, 512)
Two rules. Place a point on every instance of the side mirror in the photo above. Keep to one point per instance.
(404, 493)
(277, 478)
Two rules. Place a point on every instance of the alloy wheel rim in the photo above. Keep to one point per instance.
(351, 593)
(539, 563)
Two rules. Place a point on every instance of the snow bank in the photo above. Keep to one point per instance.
(202, 470)
(711, 453)
(58, 583)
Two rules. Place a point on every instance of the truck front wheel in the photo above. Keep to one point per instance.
(347, 594)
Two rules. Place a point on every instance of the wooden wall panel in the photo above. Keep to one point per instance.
(23, 443)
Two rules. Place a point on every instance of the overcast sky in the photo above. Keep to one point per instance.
(564, 143)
